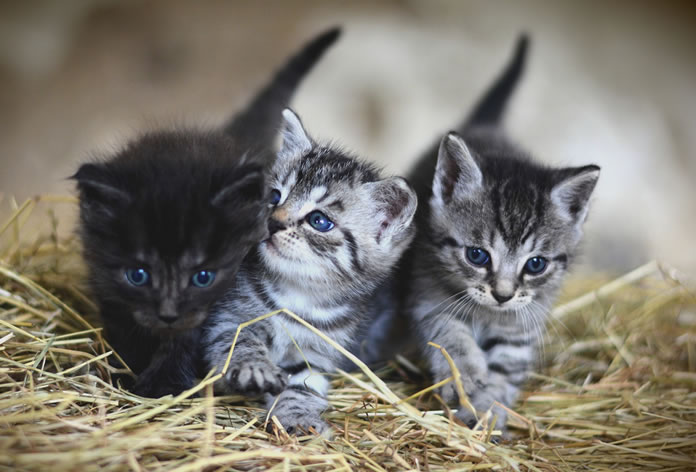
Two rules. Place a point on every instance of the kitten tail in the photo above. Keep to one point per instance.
(490, 108)
(260, 120)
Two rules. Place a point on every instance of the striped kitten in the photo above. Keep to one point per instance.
(336, 231)
(494, 243)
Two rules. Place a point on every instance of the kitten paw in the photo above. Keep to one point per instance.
(449, 394)
(150, 388)
(466, 416)
(298, 411)
(483, 403)
(255, 378)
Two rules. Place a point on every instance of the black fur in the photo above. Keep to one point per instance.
(261, 119)
(174, 203)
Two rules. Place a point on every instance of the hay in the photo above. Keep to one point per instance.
(616, 389)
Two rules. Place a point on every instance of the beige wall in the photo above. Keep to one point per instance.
(611, 83)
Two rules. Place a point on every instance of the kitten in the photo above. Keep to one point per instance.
(166, 222)
(495, 239)
(336, 231)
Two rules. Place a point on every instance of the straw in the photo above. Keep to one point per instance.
(615, 390)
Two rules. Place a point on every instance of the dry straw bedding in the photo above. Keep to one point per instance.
(615, 388)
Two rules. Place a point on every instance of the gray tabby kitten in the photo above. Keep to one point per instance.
(336, 231)
(494, 242)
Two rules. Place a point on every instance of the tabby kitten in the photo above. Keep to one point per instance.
(335, 233)
(166, 222)
(495, 240)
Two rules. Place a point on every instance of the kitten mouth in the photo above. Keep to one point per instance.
(272, 247)
(498, 308)
(176, 327)
(269, 247)
(168, 328)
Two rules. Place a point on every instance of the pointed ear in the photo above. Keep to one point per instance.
(456, 170)
(296, 141)
(397, 203)
(245, 185)
(98, 189)
(571, 195)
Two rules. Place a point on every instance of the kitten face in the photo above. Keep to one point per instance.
(165, 225)
(334, 222)
(505, 229)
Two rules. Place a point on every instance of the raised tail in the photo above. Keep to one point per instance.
(258, 124)
(490, 108)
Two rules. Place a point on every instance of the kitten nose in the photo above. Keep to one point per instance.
(167, 311)
(167, 318)
(501, 298)
(274, 226)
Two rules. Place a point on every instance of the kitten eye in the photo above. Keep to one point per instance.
(535, 265)
(137, 277)
(477, 256)
(275, 197)
(203, 278)
(320, 221)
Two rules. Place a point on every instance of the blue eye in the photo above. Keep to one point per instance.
(137, 277)
(275, 197)
(320, 221)
(535, 265)
(203, 278)
(477, 256)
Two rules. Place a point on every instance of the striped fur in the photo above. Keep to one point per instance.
(484, 192)
(328, 278)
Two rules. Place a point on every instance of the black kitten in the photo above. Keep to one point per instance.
(166, 222)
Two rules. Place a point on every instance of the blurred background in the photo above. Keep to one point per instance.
(611, 83)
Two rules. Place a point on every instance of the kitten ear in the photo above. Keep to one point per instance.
(456, 169)
(243, 186)
(296, 141)
(98, 190)
(571, 195)
(397, 203)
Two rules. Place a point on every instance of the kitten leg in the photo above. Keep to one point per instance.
(251, 371)
(457, 339)
(509, 361)
(172, 369)
(301, 404)
(498, 391)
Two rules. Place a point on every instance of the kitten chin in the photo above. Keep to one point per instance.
(496, 234)
(167, 221)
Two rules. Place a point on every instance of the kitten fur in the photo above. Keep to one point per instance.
(479, 190)
(330, 278)
(174, 203)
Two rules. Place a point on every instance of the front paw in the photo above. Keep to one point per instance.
(298, 411)
(256, 377)
(450, 393)
(156, 388)
(483, 402)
